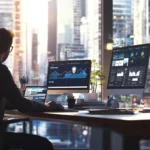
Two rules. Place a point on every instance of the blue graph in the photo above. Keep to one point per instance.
(81, 73)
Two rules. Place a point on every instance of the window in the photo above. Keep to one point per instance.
(131, 22)
(46, 30)
(37, 32)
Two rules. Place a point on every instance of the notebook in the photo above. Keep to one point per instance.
(36, 93)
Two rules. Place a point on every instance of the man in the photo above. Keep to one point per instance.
(9, 91)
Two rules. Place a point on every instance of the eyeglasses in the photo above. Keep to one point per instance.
(11, 48)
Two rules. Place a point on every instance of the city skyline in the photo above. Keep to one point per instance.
(66, 34)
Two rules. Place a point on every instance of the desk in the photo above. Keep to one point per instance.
(128, 129)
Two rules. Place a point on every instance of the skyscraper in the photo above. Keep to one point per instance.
(94, 29)
(52, 29)
(35, 67)
(64, 27)
(141, 21)
(71, 51)
(6, 17)
(79, 11)
(84, 32)
(17, 44)
(122, 22)
(6, 21)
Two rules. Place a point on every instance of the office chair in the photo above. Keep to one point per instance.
(7, 121)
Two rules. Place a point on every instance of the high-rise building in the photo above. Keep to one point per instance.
(35, 30)
(79, 10)
(64, 27)
(6, 14)
(17, 44)
(94, 29)
(141, 21)
(84, 30)
(6, 21)
(122, 22)
(52, 29)
(10, 18)
(71, 51)
(27, 33)
(35, 67)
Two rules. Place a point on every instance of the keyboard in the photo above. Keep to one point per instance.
(70, 110)
(65, 110)
(111, 112)
(90, 104)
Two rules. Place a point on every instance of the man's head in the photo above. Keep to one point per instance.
(6, 38)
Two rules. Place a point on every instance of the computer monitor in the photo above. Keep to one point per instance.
(128, 70)
(68, 76)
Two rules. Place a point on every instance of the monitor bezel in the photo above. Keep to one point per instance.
(68, 90)
(138, 88)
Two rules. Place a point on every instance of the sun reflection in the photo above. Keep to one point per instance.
(36, 12)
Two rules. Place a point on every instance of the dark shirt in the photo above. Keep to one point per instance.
(9, 91)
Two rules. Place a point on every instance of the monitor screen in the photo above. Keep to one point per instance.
(37, 93)
(128, 69)
(68, 76)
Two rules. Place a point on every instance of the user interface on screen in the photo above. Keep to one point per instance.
(129, 67)
(36, 93)
(69, 74)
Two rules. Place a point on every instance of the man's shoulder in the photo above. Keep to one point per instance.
(3, 67)
(4, 73)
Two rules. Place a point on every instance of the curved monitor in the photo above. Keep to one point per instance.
(68, 76)
(128, 70)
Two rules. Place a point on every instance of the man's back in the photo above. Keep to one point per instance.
(2, 100)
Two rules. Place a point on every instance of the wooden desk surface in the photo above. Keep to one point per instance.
(137, 124)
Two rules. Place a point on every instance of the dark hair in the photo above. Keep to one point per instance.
(6, 37)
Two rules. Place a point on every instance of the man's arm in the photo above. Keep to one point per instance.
(12, 93)
(8, 105)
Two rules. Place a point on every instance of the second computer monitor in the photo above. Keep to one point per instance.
(68, 76)
(128, 70)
